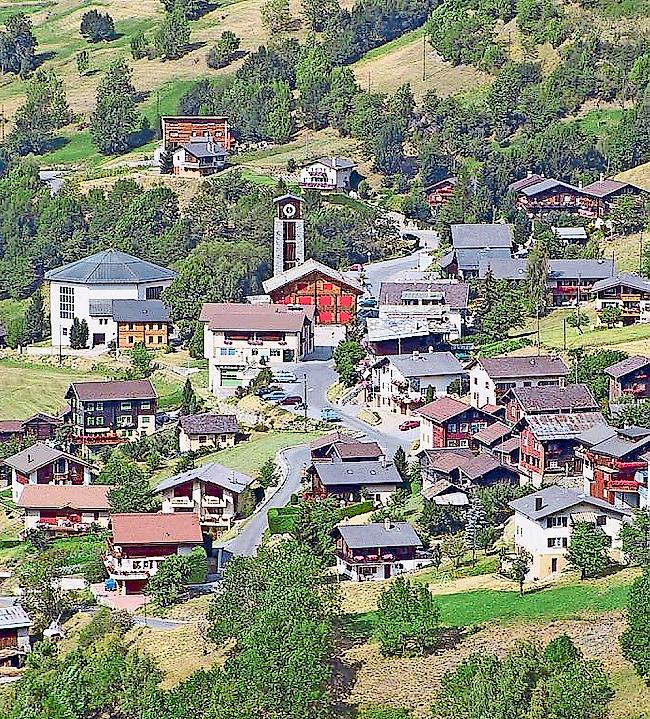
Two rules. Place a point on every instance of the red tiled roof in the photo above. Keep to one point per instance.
(141, 528)
(231, 316)
(116, 389)
(443, 409)
(58, 496)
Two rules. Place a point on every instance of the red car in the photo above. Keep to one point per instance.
(409, 424)
(355, 268)
(291, 400)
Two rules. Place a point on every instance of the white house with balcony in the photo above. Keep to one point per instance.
(238, 337)
(544, 522)
(211, 491)
(327, 173)
(401, 382)
(490, 378)
(85, 290)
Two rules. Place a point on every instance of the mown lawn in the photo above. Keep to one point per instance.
(466, 609)
(249, 456)
(552, 332)
(29, 388)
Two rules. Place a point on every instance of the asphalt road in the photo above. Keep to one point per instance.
(320, 375)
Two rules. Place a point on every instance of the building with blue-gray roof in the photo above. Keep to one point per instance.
(90, 289)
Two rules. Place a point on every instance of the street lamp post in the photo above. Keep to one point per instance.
(304, 377)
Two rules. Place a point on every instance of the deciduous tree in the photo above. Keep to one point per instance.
(587, 551)
(635, 538)
(167, 585)
(635, 640)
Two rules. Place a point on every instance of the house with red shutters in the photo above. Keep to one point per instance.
(44, 465)
(39, 426)
(139, 543)
(312, 284)
(547, 445)
(615, 464)
(438, 193)
(629, 379)
(65, 510)
(448, 422)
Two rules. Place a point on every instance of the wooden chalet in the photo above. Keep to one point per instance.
(182, 129)
(629, 378)
(439, 193)
(312, 283)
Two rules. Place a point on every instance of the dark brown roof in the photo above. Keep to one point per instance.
(456, 294)
(206, 423)
(498, 367)
(531, 179)
(357, 450)
(443, 409)
(492, 433)
(140, 528)
(508, 446)
(115, 389)
(471, 465)
(630, 364)
(447, 181)
(548, 398)
(602, 188)
(58, 496)
(11, 426)
(231, 316)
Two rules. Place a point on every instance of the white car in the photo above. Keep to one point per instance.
(284, 376)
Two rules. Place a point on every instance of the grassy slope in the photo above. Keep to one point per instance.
(631, 338)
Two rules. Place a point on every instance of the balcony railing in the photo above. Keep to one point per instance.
(181, 502)
(214, 502)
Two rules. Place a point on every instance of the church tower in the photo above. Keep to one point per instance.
(288, 233)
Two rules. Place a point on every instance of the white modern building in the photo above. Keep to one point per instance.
(544, 522)
(490, 378)
(85, 290)
(238, 337)
(327, 173)
(401, 382)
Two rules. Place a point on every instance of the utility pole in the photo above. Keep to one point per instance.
(578, 307)
(60, 343)
(424, 57)
(305, 398)
(640, 250)
(564, 333)
(538, 338)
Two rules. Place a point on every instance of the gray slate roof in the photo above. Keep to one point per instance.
(358, 536)
(470, 258)
(353, 473)
(206, 423)
(204, 149)
(14, 617)
(506, 367)
(570, 233)
(456, 294)
(562, 426)
(616, 443)
(623, 278)
(630, 364)
(37, 456)
(558, 499)
(505, 268)
(212, 473)
(480, 236)
(110, 267)
(100, 308)
(549, 398)
(548, 184)
(427, 364)
(140, 311)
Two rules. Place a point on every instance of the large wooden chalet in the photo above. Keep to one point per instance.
(314, 284)
(629, 378)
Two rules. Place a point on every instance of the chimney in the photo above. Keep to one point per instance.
(415, 354)
(29, 458)
(539, 502)
(602, 176)
(383, 461)
(387, 525)
(430, 349)
(529, 173)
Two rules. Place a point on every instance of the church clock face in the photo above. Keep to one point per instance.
(289, 211)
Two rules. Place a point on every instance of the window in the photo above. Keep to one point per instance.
(153, 293)
(464, 427)
(124, 420)
(99, 421)
(60, 466)
(66, 302)
(131, 325)
(130, 339)
(99, 406)
(275, 353)
(556, 522)
(90, 421)
(160, 339)
(145, 405)
(145, 419)
(202, 439)
(224, 352)
(452, 427)
(65, 331)
(601, 520)
(90, 407)
(125, 406)
(556, 542)
(150, 340)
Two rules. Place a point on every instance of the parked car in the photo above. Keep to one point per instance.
(283, 375)
(356, 267)
(292, 400)
(409, 424)
(275, 396)
(368, 302)
(366, 313)
(327, 414)
(263, 391)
